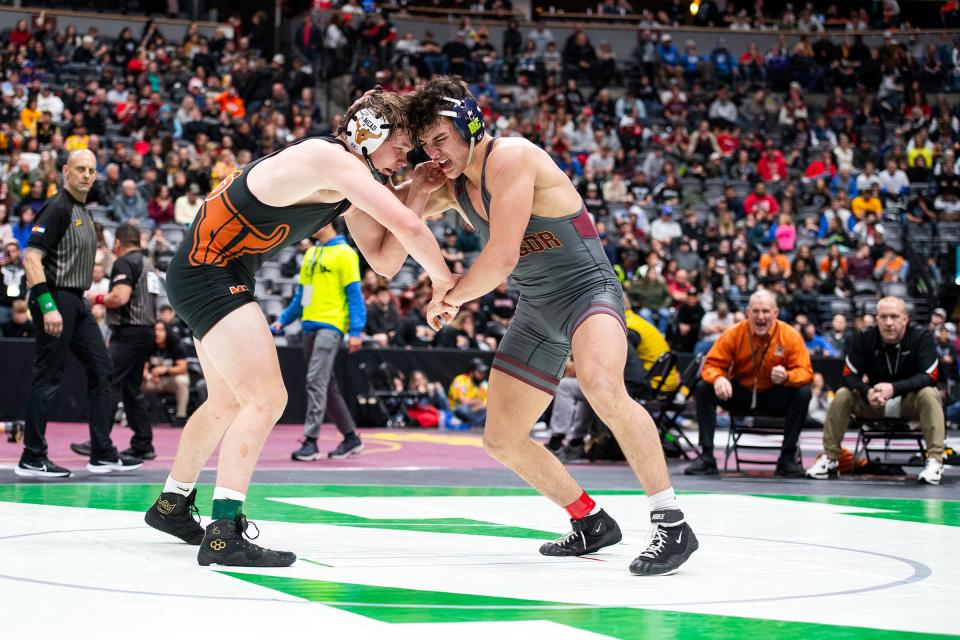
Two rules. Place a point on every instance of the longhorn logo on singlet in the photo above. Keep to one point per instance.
(538, 243)
(221, 233)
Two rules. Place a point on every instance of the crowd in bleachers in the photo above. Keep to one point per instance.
(822, 169)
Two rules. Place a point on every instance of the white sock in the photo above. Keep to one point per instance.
(176, 486)
(666, 499)
(221, 493)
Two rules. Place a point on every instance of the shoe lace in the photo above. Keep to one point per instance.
(658, 538)
(194, 512)
(243, 524)
(568, 540)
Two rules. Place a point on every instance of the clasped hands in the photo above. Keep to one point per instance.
(879, 394)
(439, 311)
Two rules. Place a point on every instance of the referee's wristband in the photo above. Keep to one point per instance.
(41, 293)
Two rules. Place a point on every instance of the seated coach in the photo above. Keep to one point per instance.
(759, 365)
(890, 371)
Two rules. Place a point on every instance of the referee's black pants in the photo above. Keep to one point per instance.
(130, 348)
(82, 336)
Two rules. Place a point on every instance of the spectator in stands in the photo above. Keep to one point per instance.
(772, 166)
(665, 228)
(19, 324)
(859, 265)
(937, 320)
(166, 370)
(868, 202)
(759, 202)
(468, 394)
(383, 318)
(160, 207)
(13, 278)
(688, 320)
(820, 398)
(186, 206)
(758, 365)
(771, 258)
(23, 228)
(723, 111)
(414, 331)
(129, 205)
(868, 178)
(944, 340)
(650, 297)
(891, 267)
(806, 298)
(840, 334)
(499, 305)
(891, 371)
(894, 183)
(714, 323)
(816, 344)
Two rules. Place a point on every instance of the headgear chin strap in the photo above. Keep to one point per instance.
(467, 120)
(366, 131)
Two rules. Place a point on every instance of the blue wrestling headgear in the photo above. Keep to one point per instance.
(467, 120)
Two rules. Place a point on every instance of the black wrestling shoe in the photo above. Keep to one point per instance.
(224, 544)
(672, 542)
(177, 515)
(589, 534)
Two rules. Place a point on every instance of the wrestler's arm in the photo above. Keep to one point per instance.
(510, 178)
(325, 166)
(382, 249)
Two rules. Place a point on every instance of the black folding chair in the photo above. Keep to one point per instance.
(664, 406)
(752, 424)
(382, 405)
(887, 430)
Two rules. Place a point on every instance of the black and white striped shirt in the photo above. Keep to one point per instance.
(64, 232)
(132, 270)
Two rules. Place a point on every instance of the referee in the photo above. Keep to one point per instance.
(59, 263)
(131, 313)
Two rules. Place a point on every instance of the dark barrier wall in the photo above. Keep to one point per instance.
(442, 365)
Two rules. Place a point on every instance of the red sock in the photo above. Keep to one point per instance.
(581, 507)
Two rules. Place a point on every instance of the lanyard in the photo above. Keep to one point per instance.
(317, 260)
(896, 366)
(757, 364)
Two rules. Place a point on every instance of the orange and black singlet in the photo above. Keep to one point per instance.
(234, 233)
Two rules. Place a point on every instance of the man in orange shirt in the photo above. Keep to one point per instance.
(232, 103)
(758, 365)
(773, 255)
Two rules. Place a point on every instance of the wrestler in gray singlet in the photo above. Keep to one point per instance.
(563, 277)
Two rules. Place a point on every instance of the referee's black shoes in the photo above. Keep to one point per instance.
(42, 468)
(120, 464)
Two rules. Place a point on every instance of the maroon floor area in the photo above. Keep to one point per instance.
(384, 448)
